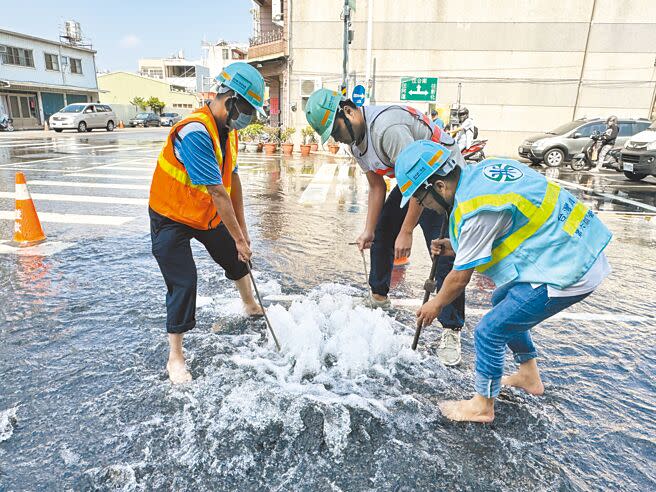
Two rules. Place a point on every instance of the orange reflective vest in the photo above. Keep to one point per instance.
(173, 195)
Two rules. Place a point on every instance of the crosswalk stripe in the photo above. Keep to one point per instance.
(147, 177)
(317, 190)
(114, 200)
(72, 218)
(69, 184)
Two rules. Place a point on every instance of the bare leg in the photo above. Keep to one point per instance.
(176, 365)
(478, 409)
(526, 378)
(251, 306)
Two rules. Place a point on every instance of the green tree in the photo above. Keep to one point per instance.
(156, 104)
(139, 102)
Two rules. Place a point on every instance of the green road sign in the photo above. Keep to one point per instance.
(419, 89)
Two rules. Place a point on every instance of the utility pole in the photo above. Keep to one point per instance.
(370, 22)
(348, 37)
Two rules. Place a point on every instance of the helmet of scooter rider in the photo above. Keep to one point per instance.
(463, 112)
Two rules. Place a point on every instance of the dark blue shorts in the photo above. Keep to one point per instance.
(172, 250)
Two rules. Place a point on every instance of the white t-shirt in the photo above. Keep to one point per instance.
(466, 134)
(479, 232)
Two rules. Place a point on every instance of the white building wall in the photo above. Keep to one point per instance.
(523, 64)
(39, 74)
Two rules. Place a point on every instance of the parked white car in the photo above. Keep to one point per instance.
(169, 119)
(83, 117)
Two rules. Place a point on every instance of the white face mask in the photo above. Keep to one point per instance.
(242, 120)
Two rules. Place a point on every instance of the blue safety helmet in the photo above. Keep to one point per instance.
(246, 81)
(419, 161)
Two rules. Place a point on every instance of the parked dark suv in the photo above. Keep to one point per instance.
(145, 119)
(564, 142)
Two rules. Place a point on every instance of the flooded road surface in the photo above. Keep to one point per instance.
(346, 405)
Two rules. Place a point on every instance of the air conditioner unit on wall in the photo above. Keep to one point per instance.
(308, 86)
(3, 49)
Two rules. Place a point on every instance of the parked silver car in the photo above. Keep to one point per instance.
(169, 119)
(83, 117)
(564, 142)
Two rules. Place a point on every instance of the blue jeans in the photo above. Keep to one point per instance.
(382, 254)
(517, 308)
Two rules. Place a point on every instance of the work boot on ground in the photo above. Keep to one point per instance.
(449, 350)
(372, 303)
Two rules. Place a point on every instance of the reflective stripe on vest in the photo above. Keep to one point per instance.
(536, 216)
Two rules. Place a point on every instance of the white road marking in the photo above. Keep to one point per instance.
(576, 186)
(317, 189)
(69, 184)
(72, 218)
(44, 249)
(415, 303)
(147, 177)
(114, 200)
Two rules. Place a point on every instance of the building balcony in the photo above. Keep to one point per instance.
(267, 46)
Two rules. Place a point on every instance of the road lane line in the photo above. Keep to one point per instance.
(69, 184)
(72, 218)
(576, 186)
(147, 177)
(317, 189)
(54, 197)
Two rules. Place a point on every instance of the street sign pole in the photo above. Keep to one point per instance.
(347, 22)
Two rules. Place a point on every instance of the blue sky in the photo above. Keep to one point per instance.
(122, 31)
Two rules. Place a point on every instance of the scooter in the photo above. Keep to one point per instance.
(583, 160)
(475, 151)
(6, 123)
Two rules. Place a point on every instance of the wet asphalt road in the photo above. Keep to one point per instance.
(84, 402)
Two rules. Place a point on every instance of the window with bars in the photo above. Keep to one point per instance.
(52, 62)
(18, 56)
(76, 65)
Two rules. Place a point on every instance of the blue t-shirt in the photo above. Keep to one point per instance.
(438, 121)
(195, 150)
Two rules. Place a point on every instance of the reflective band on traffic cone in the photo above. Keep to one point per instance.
(27, 228)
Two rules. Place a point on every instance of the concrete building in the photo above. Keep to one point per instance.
(524, 65)
(177, 71)
(119, 88)
(217, 55)
(38, 77)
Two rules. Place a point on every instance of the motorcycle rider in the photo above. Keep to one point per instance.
(465, 136)
(605, 142)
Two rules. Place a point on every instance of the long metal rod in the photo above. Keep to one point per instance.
(585, 59)
(429, 285)
(259, 299)
(366, 276)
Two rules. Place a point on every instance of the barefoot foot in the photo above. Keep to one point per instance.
(253, 310)
(478, 409)
(177, 371)
(528, 383)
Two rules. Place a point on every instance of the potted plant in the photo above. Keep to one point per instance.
(308, 135)
(286, 139)
(314, 145)
(333, 146)
(272, 139)
(251, 135)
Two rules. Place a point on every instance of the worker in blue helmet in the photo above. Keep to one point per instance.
(196, 194)
(541, 246)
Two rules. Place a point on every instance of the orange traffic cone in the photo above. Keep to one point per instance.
(120, 124)
(401, 262)
(27, 228)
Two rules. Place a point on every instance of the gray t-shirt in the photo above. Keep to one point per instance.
(391, 130)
